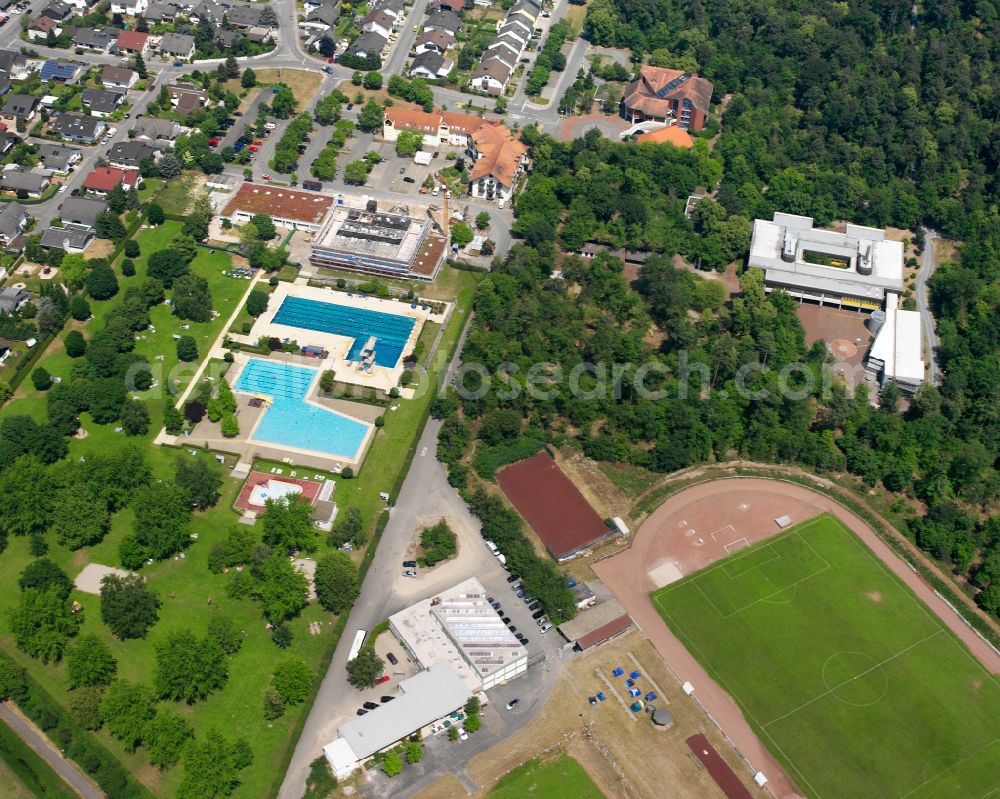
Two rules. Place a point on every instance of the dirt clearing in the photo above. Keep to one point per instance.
(303, 83)
(622, 752)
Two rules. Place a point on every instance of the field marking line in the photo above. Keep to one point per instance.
(772, 540)
(743, 541)
(774, 556)
(692, 647)
(911, 594)
(728, 527)
(950, 768)
(767, 597)
(864, 673)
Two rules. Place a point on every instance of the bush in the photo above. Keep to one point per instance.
(347, 473)
(132, 249)
(187, 349)
(128, 265)
(41, 379)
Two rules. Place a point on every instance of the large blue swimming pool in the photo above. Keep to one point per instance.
(289, 420)
(391, 331)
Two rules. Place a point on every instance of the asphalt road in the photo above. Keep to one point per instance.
(65, 768)
(927, 267)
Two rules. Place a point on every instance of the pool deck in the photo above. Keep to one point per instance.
(338, 347)
(207, 434)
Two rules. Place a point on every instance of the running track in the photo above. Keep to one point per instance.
(624, 575)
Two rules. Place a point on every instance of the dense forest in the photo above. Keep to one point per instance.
(840, 111)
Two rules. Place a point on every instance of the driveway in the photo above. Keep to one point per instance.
(927, 267)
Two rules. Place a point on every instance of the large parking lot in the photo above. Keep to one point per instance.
(391, 174)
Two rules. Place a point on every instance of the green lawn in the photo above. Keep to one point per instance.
(562, 778)
(191, 594)
(854, 685)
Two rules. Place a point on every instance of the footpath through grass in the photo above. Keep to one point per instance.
(562, 778)
(848, 678)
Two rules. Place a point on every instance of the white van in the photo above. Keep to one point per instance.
(501, 204)
(492, 547)
(435, 191)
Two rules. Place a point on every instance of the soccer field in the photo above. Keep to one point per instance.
(850, 681)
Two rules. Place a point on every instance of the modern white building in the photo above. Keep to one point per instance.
(852, 269)
(458, 627)
(896, 354)
(423, 699)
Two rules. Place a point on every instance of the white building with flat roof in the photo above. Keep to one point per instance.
(460, 628)
(423, 699)
(853, 269)
(896, 353)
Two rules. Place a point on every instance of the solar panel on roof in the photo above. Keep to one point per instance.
(682, 78)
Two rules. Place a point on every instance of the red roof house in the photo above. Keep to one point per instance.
(132, 41)
(104, 178)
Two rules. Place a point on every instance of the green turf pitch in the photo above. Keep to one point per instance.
(849, 679)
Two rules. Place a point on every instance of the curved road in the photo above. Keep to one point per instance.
(67, 769)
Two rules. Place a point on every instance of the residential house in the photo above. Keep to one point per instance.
(526, 10)
(378, 22)
(447, 5)
(69, 238)
(82, 211)
(163, 11)
(668, 94)
(130, 154)
(40, 28)
(435, 41)
(368, 44)
(104, 178)
(443, 20)
(178, 45)
(12, 299)
(18, 106)
(244, 17)
(100, 40)
(62, 71)
(14, 64)
(500, 158)
(457, 128)
(430, 65)
(133, 42)
(312, 5)
(8, 141)
(22, 181)
(260, 35)
(58, 11)
(502, 51)
(394, 8)
(517, 28)
(187, 99)
(102, 102)
(163, 131)
(57, 157)
(130, 8)
(119, 78)
(491, 76)
(13, 220)
(397, 120)
(227, 39)
(77, 127)
(80, 6)
(322, 17)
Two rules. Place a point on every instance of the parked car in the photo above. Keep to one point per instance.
(462, 734)
(385, 699)
(350, 106)
(513, 703)
(402, 170)
(237, 113)
(520, 593)
(369, 706)
(328, 70)
(534, 606)
(528, 600)
(538, 614)
(436, 154)
(512, 628)
(505, 620)
(408, 179)
(383, 679)
(409, 573)
(409, 564)
(264, 177)
(495, 606)
(363, 712)
(511, 578)
(545, 628)
(178, 63)
(516, 586)
(523, 640)
(392, 658)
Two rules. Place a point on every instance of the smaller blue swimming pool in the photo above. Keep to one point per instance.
(391, 331)
(291, 421)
